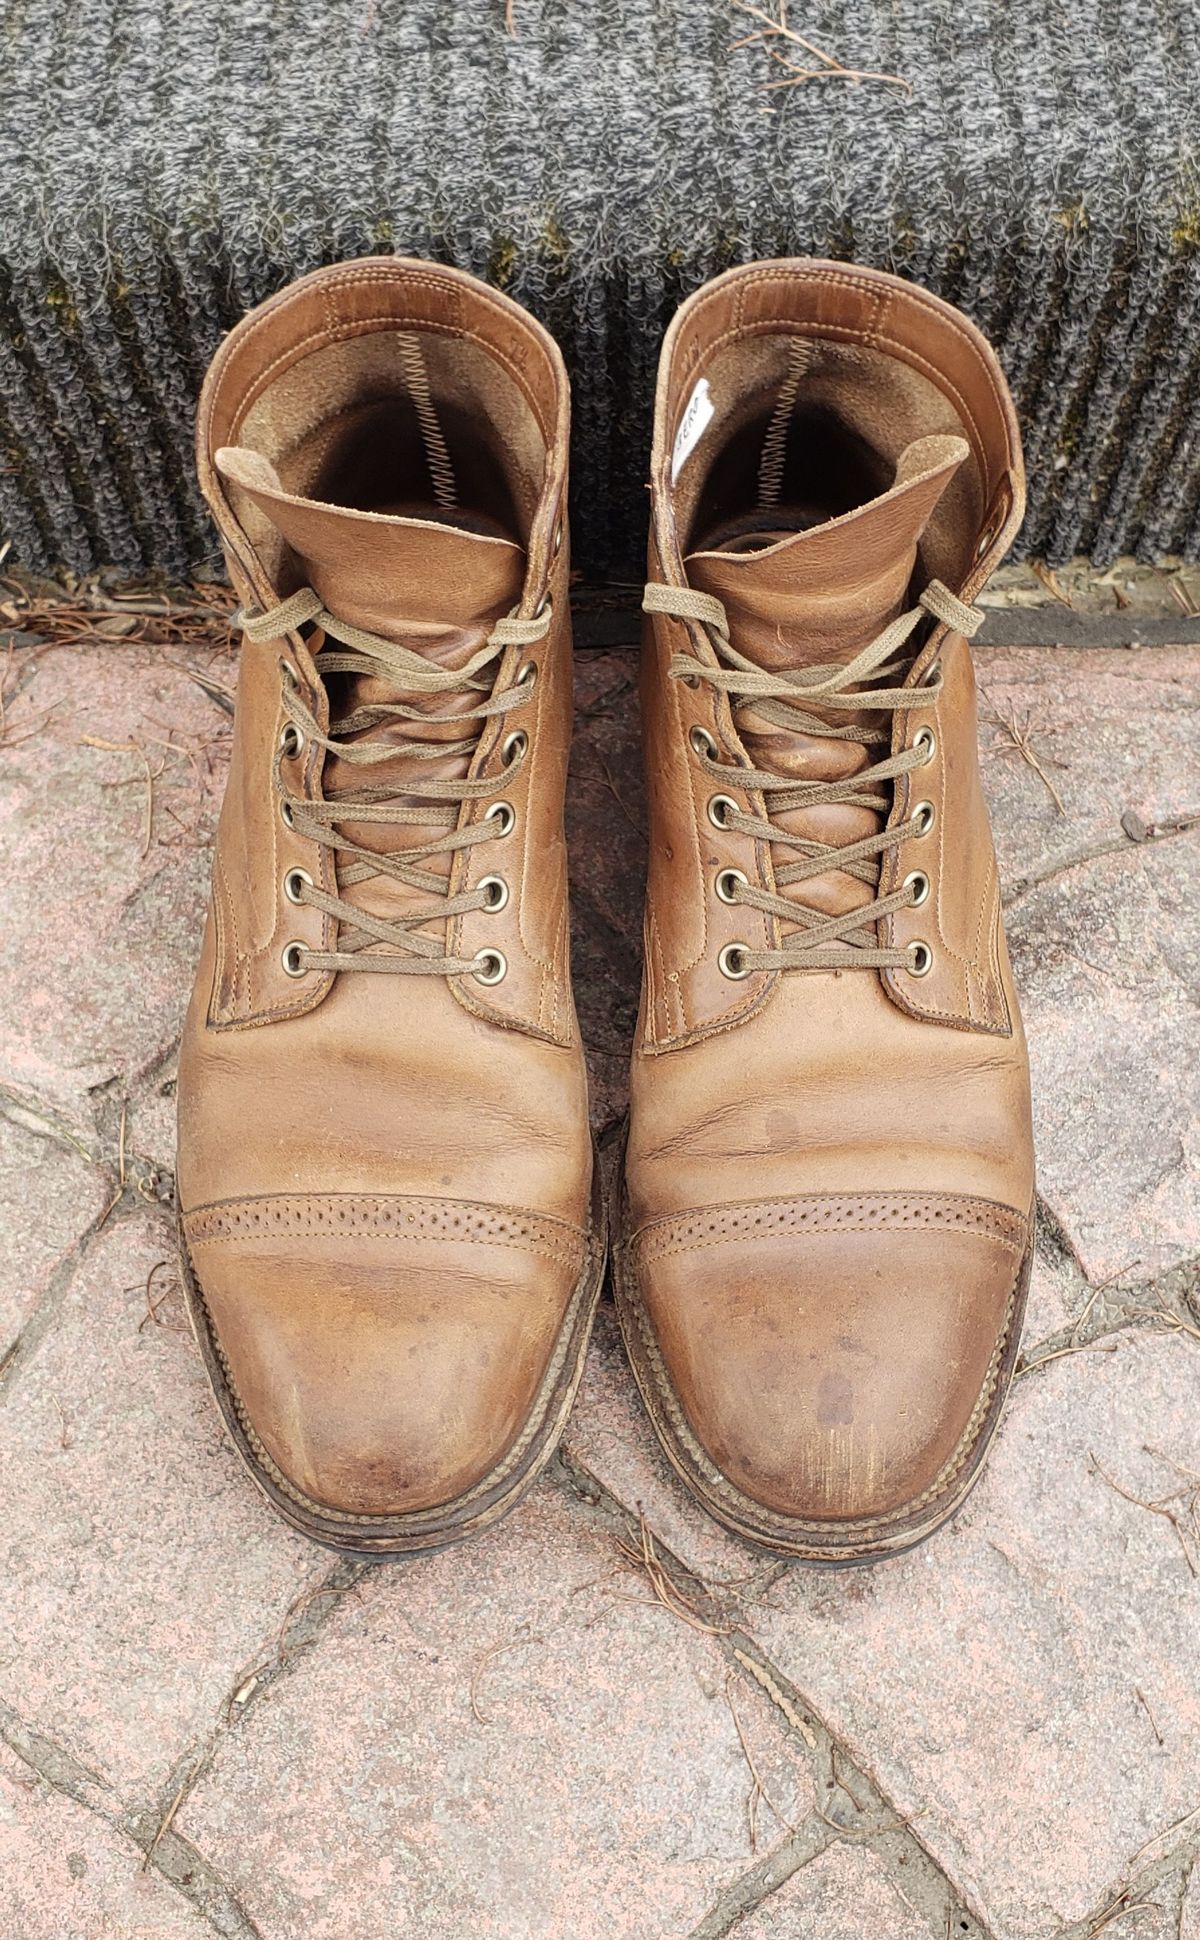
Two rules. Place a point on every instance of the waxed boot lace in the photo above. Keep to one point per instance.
(815, 940)
(365, 942)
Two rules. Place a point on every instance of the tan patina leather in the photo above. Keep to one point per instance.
(385, 1175)
(828, 1186)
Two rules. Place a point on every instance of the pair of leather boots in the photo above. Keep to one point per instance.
(392, 1221)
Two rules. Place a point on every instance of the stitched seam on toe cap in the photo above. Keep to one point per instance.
(332, 1216)
(823, 1213)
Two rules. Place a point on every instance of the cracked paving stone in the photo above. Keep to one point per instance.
(140, 1572)
(100, 941)
(1113, 730)
(49, 1196)
(989, 1680)
(843, 1894)
(1106, 954)
(603, 1796)
(1108, 962)
(65, 1874)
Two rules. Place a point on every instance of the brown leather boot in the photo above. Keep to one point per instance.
(826, 1225)
(385, 1173)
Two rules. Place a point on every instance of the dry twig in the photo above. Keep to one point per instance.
(1049, 580)
(1117, 1911)
(1163, 1506)
(1073, 1347)
(489, 1657)
(666, 1592)
(201, 615)
(1144, 1701)
(119, 1194)
(154, 1307)
(164, 1824)
(758, 1788)
(1017, 738)
(774, 28)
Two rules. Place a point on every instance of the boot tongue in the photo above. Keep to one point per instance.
(433, 586)
(436, 585)
(818, 596)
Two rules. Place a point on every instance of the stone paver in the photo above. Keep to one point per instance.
(100, 939)
(49, 1195)
(1106, 953)
(66, 1875)
(1110, 984)
(603, 1796)
(139, 1569)
(989, 1681)
(843, 1894)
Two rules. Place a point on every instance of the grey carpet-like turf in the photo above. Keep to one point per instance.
(166, 163)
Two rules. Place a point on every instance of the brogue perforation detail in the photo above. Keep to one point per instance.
(383, 1216)
(832, 1213)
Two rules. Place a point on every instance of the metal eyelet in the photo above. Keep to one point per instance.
(924, 815)
(527, 674)
(918, 882)
(545, 606)
(290, 741)
(720, 808)
(702, 742)
(505, 814)
(515, 745)
(285, 814)
(726, 882)
(495, 893)
(289, 673)
(925, 744)
(732, 961)
(558, 538)
(294, 883)
(290, 958)
(493, 965)
(920, 959)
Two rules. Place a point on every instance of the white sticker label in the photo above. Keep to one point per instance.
(692, 426)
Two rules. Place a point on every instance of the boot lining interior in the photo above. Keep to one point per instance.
(847, 415)
(413, 424)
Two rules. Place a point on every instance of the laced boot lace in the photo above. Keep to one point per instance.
(365, 942)
(816, 941)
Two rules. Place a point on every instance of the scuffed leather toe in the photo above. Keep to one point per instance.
(385, 1352)
(835, 1356)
